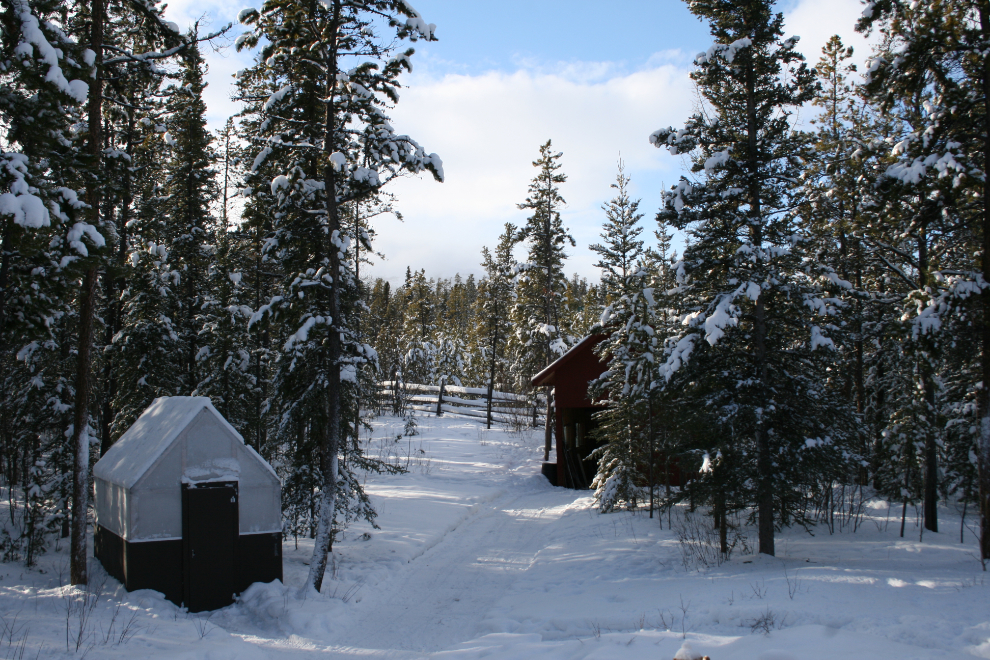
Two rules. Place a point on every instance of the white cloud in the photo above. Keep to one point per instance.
(488, 129)
(815, 21)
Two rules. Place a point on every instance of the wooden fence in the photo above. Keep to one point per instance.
(469, 402)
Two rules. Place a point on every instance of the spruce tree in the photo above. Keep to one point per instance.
(43, 235)
(319, 92)
(625, 427)
(629, 349)
(541, 284)
(749, 299)
(619, 255)
(493, 303)
(190, 187)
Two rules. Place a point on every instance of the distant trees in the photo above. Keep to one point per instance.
(494, 301)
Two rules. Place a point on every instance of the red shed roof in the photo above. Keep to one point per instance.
(585, 346)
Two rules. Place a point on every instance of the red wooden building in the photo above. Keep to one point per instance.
(569, 377)
(574, 420)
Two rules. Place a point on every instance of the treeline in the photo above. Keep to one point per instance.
(437, 330)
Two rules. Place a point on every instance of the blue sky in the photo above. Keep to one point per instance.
(479, 36)
(596, 78)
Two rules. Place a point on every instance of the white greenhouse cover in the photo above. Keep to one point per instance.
(180, 440)
(154, 432)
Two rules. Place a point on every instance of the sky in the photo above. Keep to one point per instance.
(503, 78)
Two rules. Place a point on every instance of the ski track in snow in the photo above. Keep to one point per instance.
(478, 557)
(446, 591)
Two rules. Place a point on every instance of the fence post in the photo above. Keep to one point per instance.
(396, 396)
(491, 390)
(443, 381)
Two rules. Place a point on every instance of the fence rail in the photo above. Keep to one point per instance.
(468, 402)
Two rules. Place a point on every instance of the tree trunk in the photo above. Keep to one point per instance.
(548, 425)
(983, 394)
(330, 442)
(764, 460)
(5, 259)
(931, 460)
(114, 284)
(491, 377)
(928, 392)
(80, 435)
(80, 431)
(723, 526)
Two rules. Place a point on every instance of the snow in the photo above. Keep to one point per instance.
(479, 557)
(277, 97)
(216, 469)
(279, 182)
(720, 318)
(35, 41)
(727, 51)
(717, 159)
(302, 334)
(818, 339)
(28, 210)
(367, 176)
(80, 229)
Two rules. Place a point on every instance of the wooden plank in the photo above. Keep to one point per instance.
(470, 413)
(480, 391)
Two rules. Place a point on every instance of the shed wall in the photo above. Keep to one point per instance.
(111, 507)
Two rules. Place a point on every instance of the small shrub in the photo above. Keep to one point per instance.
(699, 542)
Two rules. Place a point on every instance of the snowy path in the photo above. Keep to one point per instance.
(447, 592)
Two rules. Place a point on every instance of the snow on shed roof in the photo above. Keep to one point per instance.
(154, 432)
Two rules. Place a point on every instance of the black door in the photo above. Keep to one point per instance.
(209, 542)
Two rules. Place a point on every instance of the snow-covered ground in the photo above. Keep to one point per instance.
(478, 556)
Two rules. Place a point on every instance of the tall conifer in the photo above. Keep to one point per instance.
(747, 291)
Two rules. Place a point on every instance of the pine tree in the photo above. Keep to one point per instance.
(746, 289)
(319, 90)
(493, 302)
(541, 284)
(190, 187)
(622, 250)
